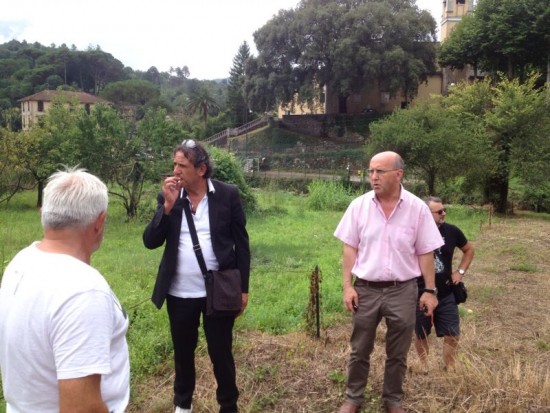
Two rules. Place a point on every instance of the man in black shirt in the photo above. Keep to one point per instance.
(445, 317)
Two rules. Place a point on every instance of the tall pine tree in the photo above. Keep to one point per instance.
(236, 100)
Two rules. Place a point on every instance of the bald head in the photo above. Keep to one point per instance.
(390, 158)
(385, 173)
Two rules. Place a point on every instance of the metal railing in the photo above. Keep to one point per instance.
(230, 132)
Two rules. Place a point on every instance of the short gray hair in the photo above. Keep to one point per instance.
(399, 163)
(73, 198)
(431, 198)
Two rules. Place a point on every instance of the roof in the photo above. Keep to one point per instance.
(49, 95)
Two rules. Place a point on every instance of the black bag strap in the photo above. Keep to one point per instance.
(194, 237)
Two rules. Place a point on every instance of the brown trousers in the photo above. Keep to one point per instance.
(397, 304)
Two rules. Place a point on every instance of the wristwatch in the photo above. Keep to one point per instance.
(431, 290)
(461, 271)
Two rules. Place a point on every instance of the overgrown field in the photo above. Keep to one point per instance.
(505, 347)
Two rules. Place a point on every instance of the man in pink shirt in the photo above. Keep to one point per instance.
(389, 237)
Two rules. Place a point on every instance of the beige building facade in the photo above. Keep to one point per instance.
(34, 106)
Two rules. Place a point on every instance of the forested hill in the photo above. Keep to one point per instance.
(27, 68)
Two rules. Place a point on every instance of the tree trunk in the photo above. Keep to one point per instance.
(548, 69)
(497, 186)
(510, 68)
(342, 104)
(40, 193)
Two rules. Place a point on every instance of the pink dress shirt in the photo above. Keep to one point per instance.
(388, 249)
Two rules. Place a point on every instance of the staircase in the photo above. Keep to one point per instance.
(220, 138)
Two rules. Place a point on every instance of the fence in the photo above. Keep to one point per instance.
(221, 137)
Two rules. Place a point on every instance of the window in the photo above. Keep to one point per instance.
(40, 106)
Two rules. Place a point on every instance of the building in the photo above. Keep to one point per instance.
(452, 13)
(34, 106)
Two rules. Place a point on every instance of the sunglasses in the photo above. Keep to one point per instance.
(440, 212)
(189, 143)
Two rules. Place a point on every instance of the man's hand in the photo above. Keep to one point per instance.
(245, 303)
(171, 190)
(456, 277)
(351, 299)
(427, 303)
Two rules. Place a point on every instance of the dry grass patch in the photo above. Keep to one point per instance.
(504, 349)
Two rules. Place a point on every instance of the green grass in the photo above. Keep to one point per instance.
(287, 241)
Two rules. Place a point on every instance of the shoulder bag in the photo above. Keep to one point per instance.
(459, 291)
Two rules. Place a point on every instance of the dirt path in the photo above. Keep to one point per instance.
(504, 354)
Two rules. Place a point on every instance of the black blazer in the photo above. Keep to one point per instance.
(227, 231)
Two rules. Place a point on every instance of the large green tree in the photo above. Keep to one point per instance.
(49, 144)
(347, 46)
(436, 144)
(126, 155)
(509, 36)
(131, 92)
(516, 119)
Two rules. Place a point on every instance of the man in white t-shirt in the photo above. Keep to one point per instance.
(62, 330)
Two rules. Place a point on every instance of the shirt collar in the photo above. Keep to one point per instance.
(211, 186)
(211, 189)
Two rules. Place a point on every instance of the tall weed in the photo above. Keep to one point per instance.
(328, 196)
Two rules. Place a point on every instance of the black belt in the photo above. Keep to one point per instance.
(379, 284)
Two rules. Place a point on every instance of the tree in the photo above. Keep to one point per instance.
(509, 36)
(236, 98)
(436, 144)
(126, 157)
(347, 46)
(461, 47)
(12, 176)
(48, 145)
(131, 92)
(203, 103)
(152, 75)
(515, 118)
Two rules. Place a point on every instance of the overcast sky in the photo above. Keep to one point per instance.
(203, 35)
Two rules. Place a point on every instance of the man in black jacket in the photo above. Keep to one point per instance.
(221, 228)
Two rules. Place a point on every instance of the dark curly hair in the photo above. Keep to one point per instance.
(197, 155)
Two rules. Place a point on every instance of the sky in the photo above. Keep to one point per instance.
(203, 35)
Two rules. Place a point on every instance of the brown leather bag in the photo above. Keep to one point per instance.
(223, 292)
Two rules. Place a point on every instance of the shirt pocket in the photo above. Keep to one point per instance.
(404, 240)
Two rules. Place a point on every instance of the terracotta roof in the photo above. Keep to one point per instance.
(48, 96)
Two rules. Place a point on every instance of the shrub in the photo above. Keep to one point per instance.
(328, 196)
(229, 170)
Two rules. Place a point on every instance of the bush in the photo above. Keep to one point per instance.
(328, 196)
(530, 197)
(460, 190)
(229, 170)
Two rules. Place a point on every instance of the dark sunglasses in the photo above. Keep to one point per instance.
(440, 212)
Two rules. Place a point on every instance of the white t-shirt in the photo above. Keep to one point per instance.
(59, 320)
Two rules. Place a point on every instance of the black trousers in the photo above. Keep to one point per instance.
(184, 315)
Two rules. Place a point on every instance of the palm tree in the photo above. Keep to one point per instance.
(202, 102)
